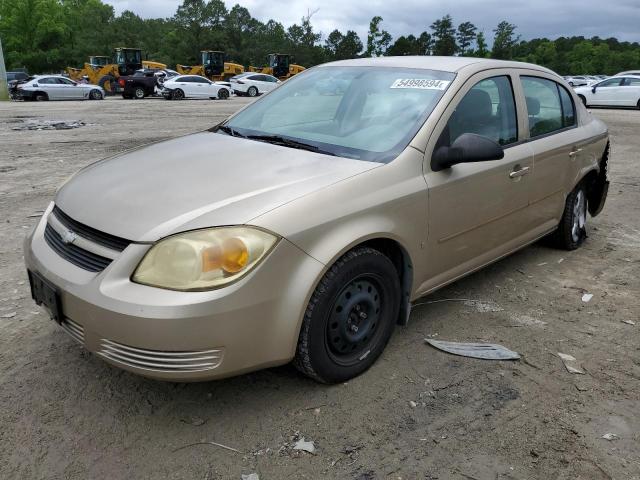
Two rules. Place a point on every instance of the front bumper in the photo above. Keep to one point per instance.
(181, 336)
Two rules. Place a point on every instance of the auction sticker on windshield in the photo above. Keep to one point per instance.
(420, 83)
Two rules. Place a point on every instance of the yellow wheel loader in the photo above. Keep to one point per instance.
(212, 67)
(105, 71)
(279, 65)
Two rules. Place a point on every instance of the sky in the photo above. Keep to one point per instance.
(534, 19)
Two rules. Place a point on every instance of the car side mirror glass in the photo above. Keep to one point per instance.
(467, 148)
(593, 89)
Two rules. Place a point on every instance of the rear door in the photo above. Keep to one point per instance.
(556, 142)
(478, 211)
(52, 88)
(630, 92)
(184, 84)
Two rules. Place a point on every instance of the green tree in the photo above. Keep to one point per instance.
(482, 50)
(341, 47)
(465, 35)
(504, 41)
(377, 40)
(444, 36)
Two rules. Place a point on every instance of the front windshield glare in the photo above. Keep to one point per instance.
(368, 113)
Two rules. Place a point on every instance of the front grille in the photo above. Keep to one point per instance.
(72, 328)
(159, 361)
(96, 236)
(74, 254)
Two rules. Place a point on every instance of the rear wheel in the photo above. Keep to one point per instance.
(177, 94)
(40, 97)
(138, 93)
(95, 95)
(350, 317)
(252, 92)
(572, 230)
(223, 94)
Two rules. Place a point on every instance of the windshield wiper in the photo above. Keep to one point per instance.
(229, 131)
(287, 142)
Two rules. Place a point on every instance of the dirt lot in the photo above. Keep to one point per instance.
(417, 414)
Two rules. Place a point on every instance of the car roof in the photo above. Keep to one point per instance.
(447, 64)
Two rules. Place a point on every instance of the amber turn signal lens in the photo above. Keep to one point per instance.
(235, 255)
(211, 258)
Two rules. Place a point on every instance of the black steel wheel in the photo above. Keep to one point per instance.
(350, 317)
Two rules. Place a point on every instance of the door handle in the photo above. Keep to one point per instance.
(574, 152)
(519, 172)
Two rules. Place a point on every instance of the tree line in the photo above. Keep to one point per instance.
(48, 35)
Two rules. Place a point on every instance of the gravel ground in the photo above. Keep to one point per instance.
(417, 414)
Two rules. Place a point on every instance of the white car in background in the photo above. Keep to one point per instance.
(193, 86)
(629, 72)
(253, 84)
(577, 80)
(57, 87)
(618, 91)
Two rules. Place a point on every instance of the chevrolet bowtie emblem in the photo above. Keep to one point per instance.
(68, 237)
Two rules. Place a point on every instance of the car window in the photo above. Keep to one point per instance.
(488, 109)
(255, 78)
(270, 79)
(568, 108)
(46, 81)
(612, 82)
(64, 81)
(631, 82)
(199, 80)
(544, 108)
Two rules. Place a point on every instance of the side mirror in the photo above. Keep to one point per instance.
(35, 85)
(593, 89)
(467, 148)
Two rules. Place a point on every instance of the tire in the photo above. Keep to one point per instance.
(572, 230)
(108, 84)
(177, 94)
(638, 104)
(583, 99)
(95, 95)
(138, 93)
(40, 97)
(350, 317)
(571, 84)
(252, 92)
(223, 94)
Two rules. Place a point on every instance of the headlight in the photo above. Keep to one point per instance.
(203, 259)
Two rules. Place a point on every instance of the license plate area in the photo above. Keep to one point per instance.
(43, 293)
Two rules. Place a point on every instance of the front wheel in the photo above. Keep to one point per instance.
(95, 95)
(350, 317)
(572, 230)
(177, 94)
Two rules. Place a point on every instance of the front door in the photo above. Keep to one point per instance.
(606, 92)
(478, 211)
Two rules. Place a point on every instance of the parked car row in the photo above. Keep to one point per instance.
(580, 80)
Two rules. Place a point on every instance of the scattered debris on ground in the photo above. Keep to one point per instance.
(586, 297)
(570, 363)
(610, 436)
(38, 124)
(304, 445)
(484, 351)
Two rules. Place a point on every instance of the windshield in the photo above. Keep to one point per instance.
(367, 113)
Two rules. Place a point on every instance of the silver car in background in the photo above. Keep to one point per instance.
(57, 87)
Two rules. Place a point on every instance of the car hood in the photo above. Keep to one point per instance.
(200, 180)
